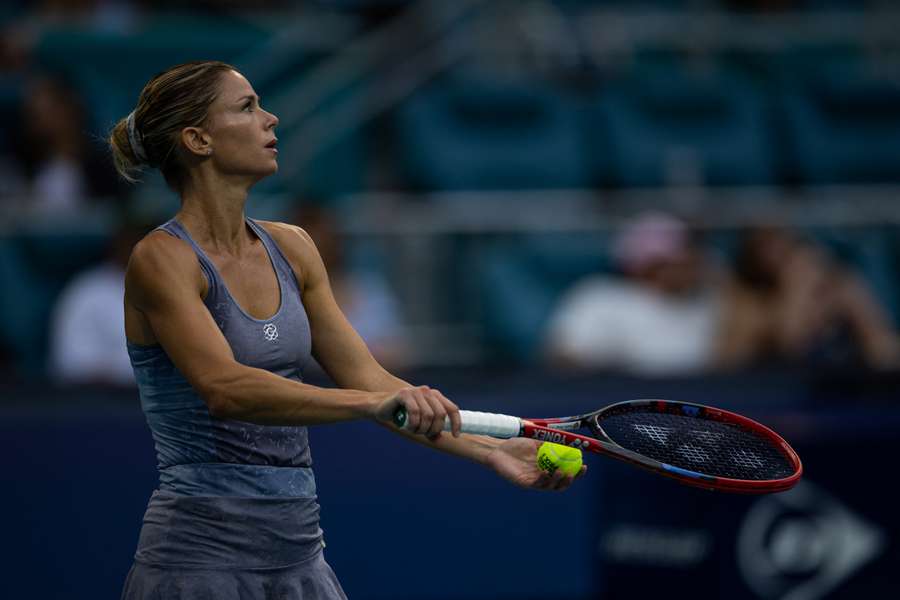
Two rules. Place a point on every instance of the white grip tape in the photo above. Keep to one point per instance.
(491, 424)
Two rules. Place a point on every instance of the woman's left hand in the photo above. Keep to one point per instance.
(516, 461)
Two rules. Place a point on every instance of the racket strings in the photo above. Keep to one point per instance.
(700, 445)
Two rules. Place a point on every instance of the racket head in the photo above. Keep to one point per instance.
(700, 445)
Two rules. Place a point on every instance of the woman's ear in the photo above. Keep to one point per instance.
(196, 141)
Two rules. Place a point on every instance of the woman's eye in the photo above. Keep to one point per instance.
(249, 107)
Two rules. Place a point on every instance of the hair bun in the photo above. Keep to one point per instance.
(134, 139)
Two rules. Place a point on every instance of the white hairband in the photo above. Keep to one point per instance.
(134, 138)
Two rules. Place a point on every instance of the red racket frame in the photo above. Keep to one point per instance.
(544, 430)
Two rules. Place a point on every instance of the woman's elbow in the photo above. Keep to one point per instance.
(219, 395)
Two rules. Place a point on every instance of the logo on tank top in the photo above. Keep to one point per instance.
(270, 332)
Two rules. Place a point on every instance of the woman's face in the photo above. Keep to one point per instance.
(242, 134)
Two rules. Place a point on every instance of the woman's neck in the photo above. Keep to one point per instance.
(214, 215)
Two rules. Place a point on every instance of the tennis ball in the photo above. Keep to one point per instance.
(552, 456)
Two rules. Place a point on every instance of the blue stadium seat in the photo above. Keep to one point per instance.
(665, 125)
(843, 122)
(34, 268)
(520, 283)
(335, 168)
(110, 69)
(466, 132)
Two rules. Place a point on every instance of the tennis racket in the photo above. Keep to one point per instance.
(697, 445)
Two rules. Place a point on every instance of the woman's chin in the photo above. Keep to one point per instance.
(262, 174)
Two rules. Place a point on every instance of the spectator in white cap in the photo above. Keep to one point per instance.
(659, 318)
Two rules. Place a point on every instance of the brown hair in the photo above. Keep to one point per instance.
(178, 97)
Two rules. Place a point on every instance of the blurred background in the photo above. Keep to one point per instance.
(539, 207)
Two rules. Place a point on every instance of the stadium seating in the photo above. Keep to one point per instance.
(843, 123)
(34, 268)
(869, 252)
(519, 283)
(468, 132)
(678, 126)
(806, 115)
(112, 67)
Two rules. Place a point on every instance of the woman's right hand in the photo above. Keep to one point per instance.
(426, 410)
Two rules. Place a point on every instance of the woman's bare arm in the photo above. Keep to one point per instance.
(344, 355)
(164, 283)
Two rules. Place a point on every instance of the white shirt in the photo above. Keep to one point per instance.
(607, 323)
(59, 185)
(88, 330)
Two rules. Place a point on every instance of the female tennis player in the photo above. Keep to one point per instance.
(222, 314)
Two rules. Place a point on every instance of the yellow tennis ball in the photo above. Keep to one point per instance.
(552, 456)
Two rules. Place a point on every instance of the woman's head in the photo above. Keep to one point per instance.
(196, 113)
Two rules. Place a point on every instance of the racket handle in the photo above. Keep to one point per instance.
(476, 423)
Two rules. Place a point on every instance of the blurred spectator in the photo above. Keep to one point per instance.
(363, 295)
(791, 303)
(660, 319)
(87, 337)
(63, 167)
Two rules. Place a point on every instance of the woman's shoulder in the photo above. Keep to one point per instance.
(159, 247)
(295, 244)
(293, 240)
(287, 236)
(158, 258)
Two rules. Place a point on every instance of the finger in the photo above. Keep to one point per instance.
(581, 472)
(452, 414)
(554, 481)
(440, 413)
(426, 411)
(413, 411)
(549, 481)
(558, 481)
(449, 411)
(544, 481)
(563, 483)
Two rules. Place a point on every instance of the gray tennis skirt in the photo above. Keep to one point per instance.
(311, 579)
(217, 548)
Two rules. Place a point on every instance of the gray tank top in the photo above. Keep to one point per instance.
(242, 472)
